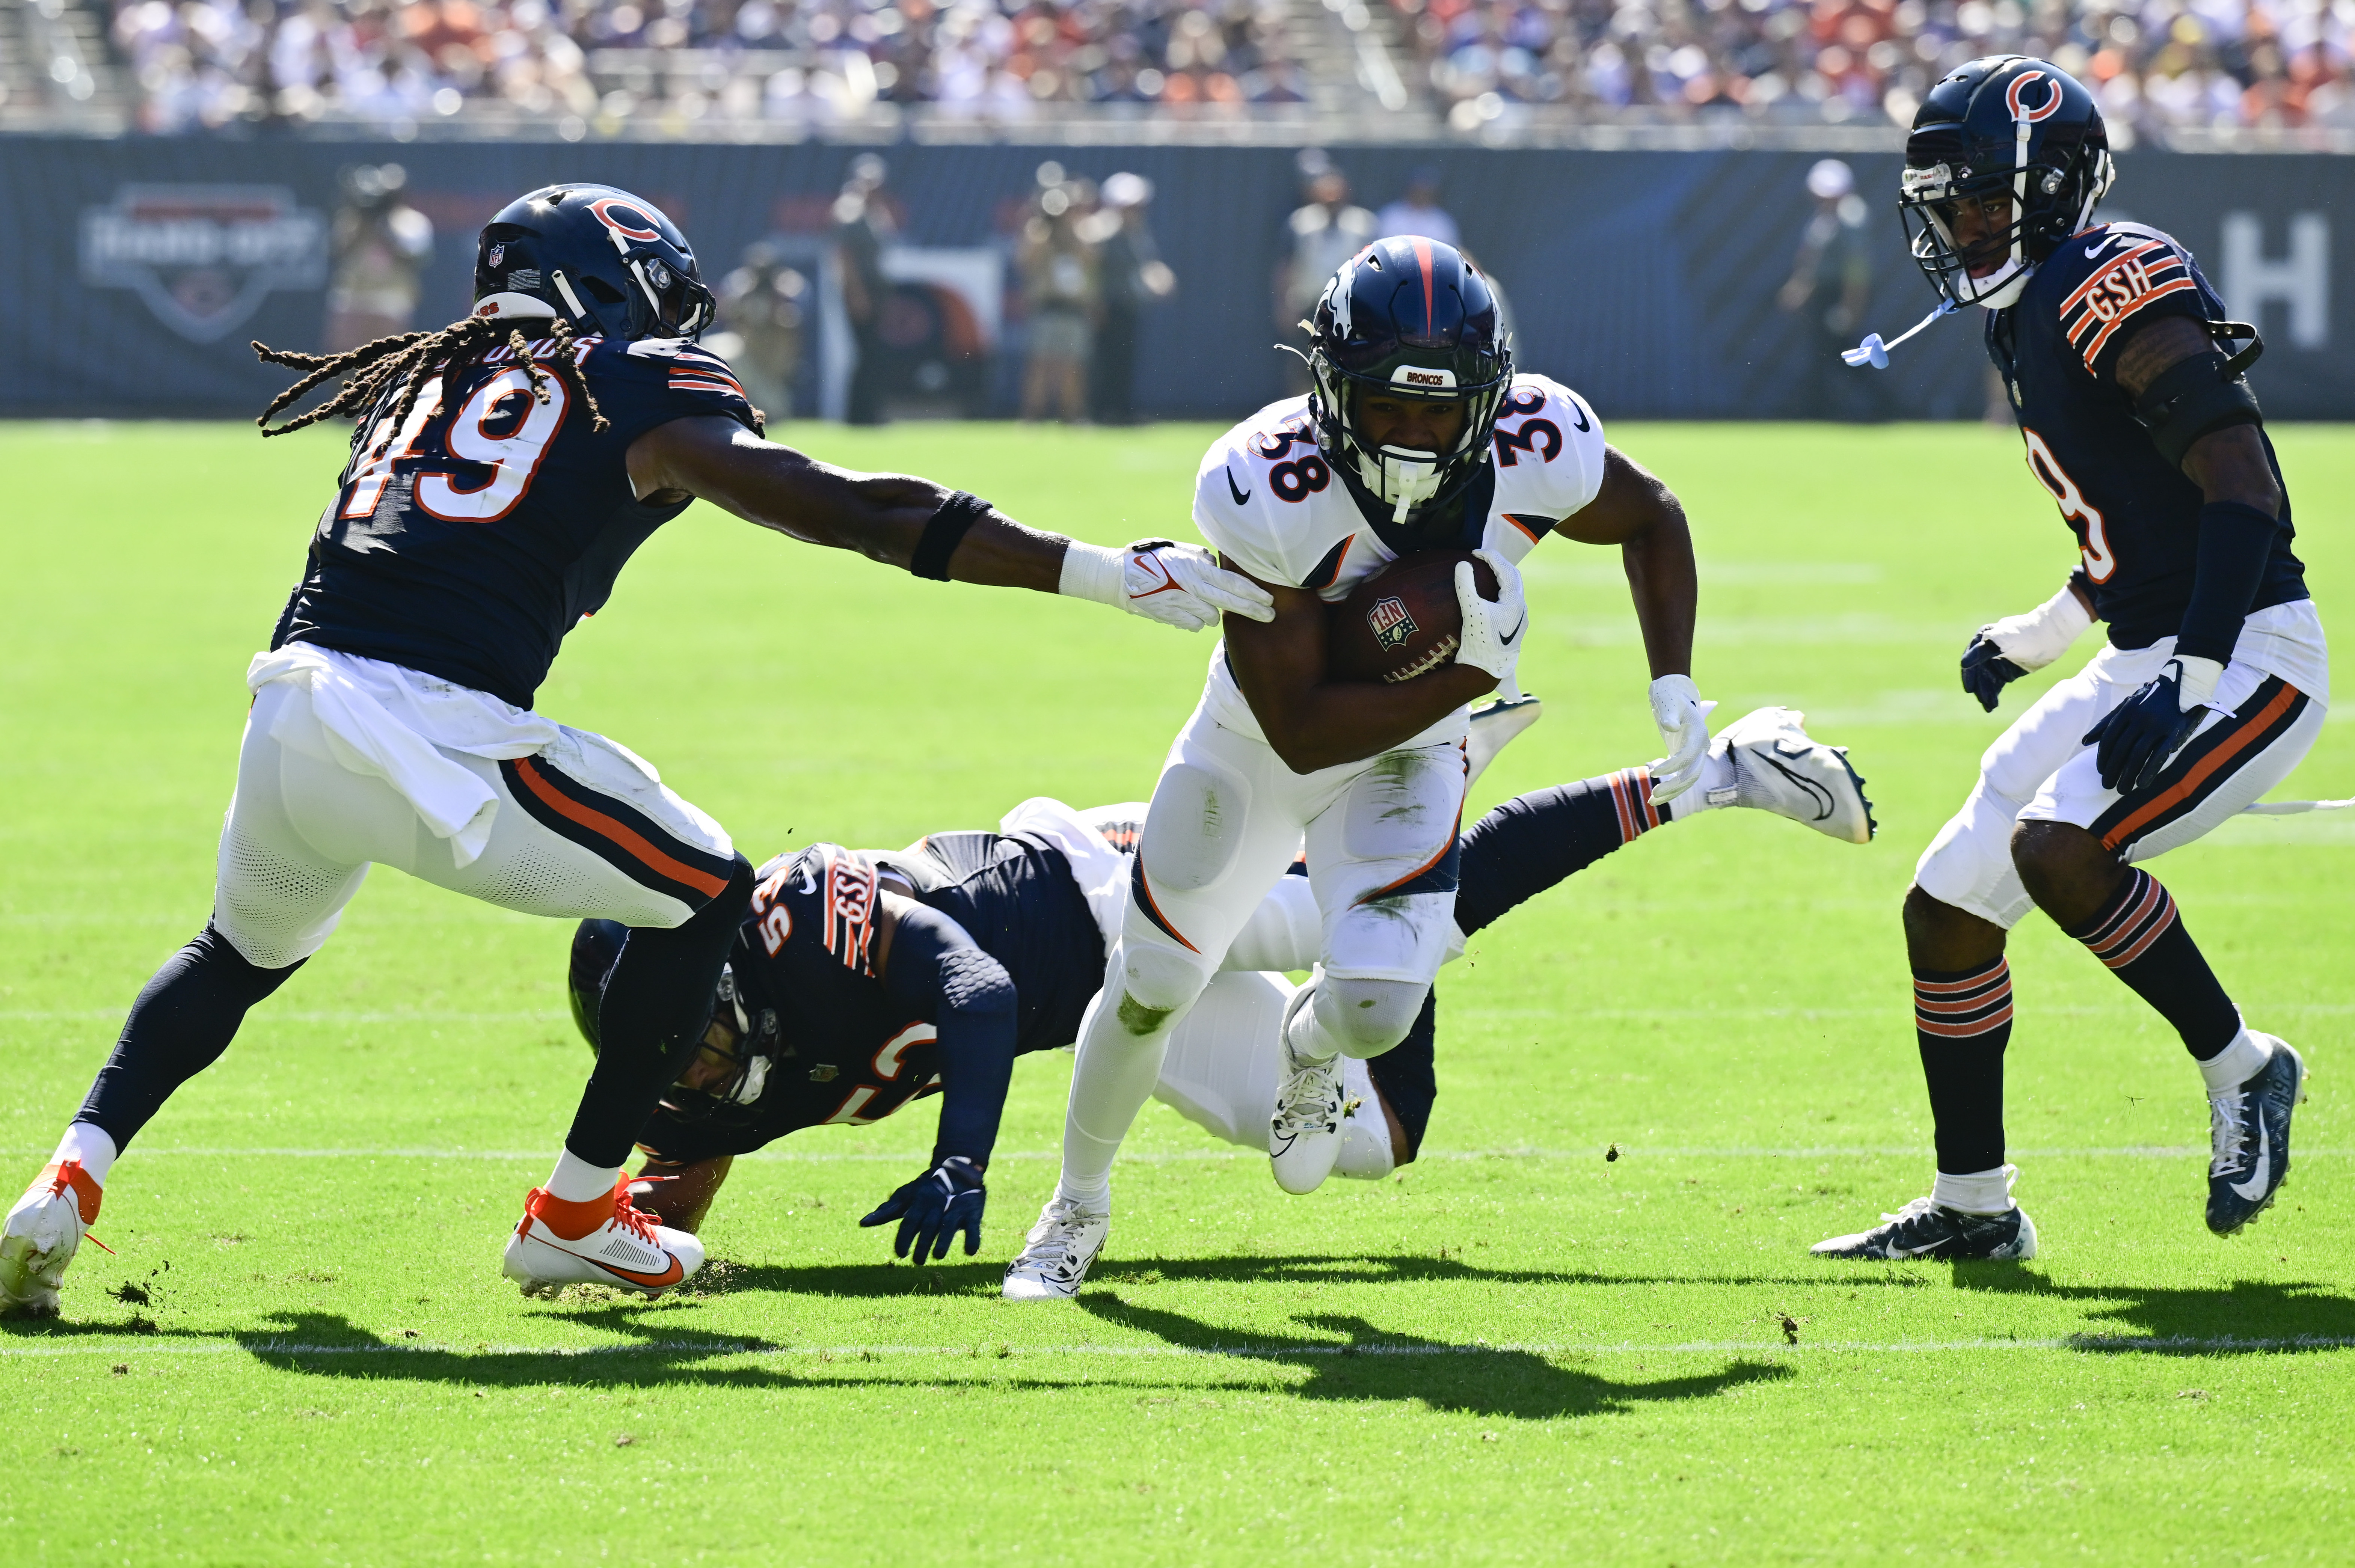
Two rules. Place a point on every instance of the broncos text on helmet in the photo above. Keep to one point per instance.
(1406, 317)
(596, 256)
(2011, 135)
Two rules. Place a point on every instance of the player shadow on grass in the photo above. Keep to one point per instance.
(1367, 1362)
(2245, 1315)
(328, 1344)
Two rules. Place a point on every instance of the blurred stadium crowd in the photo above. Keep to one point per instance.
(205, 62)
(2159, 64)
(2156, 64)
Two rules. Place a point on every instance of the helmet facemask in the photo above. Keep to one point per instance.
(730, 1064)
(1405, 477)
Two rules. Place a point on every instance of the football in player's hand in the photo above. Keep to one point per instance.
(1403, 620)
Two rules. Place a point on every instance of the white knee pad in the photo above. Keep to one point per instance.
(1159, 979)
(1359, 1018)
(1968, 864)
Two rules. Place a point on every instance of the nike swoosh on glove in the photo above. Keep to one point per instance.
(1985, 672)
(1495, 632)
(934, 1208)
(2141, 733)
(1179, 585)
(1683, 719)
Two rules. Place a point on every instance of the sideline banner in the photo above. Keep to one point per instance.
(1648, 280)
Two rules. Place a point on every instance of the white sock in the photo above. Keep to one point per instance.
(1110, 1083)
(576, 1181)
(1979, 1193)
(1714, 788)
(1306, 1037)
(94, 1146)
(2236, 1063)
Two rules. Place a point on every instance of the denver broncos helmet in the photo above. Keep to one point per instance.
(1406, 317)
(605, 261)
(2003, 126)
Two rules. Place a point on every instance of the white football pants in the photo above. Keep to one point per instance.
(581, 830)
(1227, 818)
(1223, 1064)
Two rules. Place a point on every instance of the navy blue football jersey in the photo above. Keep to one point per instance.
(845, 1052)
(466, 543)
(2135, 515)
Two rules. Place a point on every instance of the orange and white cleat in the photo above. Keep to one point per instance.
(605, 1241)
(43, 1233)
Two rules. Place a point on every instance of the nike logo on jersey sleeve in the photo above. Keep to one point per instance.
(1243, 497)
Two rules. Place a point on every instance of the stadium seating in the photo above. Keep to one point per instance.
(2177, 70)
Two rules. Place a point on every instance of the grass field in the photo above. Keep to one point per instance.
(1517, 1352)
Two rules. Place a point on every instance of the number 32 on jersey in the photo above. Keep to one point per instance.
(503, 424)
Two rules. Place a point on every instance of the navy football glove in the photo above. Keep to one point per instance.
(1985, 672)
(2140, 734)
(934, 1208)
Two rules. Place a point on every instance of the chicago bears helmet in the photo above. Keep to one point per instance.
(730, 1065)
(1406, 317)
(605, 261)
(2001, 128)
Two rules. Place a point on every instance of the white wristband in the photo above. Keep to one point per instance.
(2196, 683)
(1092, 572)
(2044, 633)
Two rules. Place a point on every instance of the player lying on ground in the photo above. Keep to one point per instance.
(1419, 438)
(496, 485)
(2210, 690)
(966, 950)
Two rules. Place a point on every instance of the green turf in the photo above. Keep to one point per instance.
(1518, 1351)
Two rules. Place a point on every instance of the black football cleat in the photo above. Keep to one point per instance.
(1924, 1230)
(2248, 1129)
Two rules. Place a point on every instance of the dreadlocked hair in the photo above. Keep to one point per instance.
(410, 360)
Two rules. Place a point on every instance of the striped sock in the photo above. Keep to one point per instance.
(1961, 1022)
(1631, 796)
(1533, 841)
(2139, 935)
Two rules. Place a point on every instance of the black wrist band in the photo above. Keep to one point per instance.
(943, 530)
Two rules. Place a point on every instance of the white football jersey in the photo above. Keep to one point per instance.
(1270, 501)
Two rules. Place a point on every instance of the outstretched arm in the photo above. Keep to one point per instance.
(1643, 517)
(901, 520)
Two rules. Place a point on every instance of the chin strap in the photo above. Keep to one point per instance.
(1874, 352)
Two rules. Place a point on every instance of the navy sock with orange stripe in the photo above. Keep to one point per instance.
(2140, 935)
(1963, 1023)
(1533, 841)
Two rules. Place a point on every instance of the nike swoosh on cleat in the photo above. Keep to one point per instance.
(2256, 1187)
(663, 1281)
(1242, 496)
(1807, 786)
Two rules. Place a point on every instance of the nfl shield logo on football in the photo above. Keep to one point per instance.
(1390, 621)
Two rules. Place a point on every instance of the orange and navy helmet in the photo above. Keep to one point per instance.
(2003, 126)
(596, 256)
(1407, 317)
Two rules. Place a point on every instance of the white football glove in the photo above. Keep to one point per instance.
(1179, 585)
(1683, 719)
(1494, 633)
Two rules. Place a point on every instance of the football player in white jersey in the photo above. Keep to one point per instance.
(1418, 437)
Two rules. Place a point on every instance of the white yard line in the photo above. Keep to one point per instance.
(1242, 1349)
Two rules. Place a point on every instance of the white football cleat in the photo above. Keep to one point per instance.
(605, 1241)
(1056, 1254)
(1778, 767)
(1496, 724)
(43, 1233)
(1303, 1136)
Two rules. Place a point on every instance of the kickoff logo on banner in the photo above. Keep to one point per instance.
(203, 257)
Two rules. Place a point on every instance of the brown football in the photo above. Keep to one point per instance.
(1403, 620)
